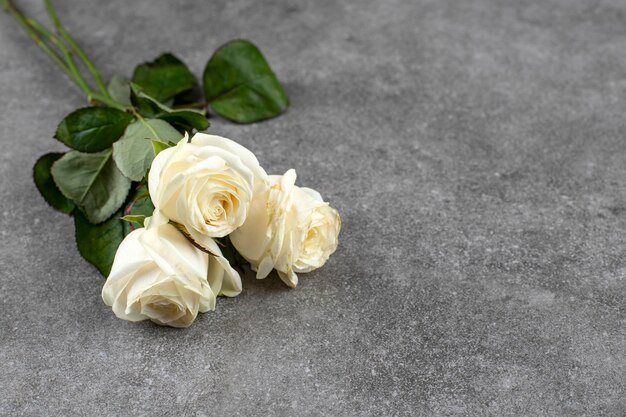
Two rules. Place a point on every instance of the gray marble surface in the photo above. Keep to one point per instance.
(477, 153)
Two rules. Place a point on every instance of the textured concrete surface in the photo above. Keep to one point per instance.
(477, 153)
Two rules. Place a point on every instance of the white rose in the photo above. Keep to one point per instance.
(207, 185)
(290, 229)
(158, 274)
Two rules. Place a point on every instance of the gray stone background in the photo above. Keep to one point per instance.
(477, 153)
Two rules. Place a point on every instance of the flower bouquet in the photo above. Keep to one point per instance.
(166, 212)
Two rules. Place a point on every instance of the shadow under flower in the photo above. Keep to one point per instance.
(270, 284)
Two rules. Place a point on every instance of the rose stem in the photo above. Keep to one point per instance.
(36, 31)
(21, 19)
(69, 57)
(75, 72)
(76, 47)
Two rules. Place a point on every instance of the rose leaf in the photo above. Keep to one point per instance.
(119, 89)
(164, 78)
(181, 119)
(92, 129)
(98, 243)
(134, 153)
(46, 186)
(92, 181)
(240, 85)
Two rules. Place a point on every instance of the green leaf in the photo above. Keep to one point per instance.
(240, 85)
(92, 181)
(93, 129)
(46, 186)
(164, 78)
(134, 153)
(119, 89)
(131, 218)
(189, 98)
(147, 106)
(186, 120)
(98, 243)
(157, 146)
(183, 119)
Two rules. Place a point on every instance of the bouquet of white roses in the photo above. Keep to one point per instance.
(167, 217)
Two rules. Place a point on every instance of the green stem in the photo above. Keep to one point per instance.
(76, 47)
(105, 100)
(23, 21)
(77, 76)
(42, 36)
